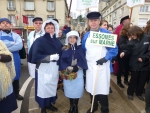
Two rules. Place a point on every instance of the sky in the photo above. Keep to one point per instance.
(73, 8)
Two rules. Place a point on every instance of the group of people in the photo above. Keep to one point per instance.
(53, 52)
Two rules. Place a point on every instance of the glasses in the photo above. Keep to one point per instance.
(38, 23)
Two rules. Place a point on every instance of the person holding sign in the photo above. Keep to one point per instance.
(73, 60)
(98, 55)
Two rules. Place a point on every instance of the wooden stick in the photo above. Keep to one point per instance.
(69, 8)
(131, 13)
(95, 82)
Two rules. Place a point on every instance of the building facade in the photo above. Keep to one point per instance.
(114, 10)
(47, 9)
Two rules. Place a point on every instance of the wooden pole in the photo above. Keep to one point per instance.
(131, 14)
(69, 8)
(95, 82)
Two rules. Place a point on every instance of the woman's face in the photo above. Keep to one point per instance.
(72, 40)
(104, 25)
(50, 29)
(110, 29)
(134, 37)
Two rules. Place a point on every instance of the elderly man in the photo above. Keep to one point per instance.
(37, 23)
(14, 43)
(93, 59)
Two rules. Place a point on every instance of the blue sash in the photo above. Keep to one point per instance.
(17, 62)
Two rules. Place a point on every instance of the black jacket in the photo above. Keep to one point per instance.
(122, 45)
(139, 49)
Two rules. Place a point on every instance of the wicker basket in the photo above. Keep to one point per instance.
(68, 75)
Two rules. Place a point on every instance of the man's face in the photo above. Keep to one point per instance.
(38, 25)
(126, 21)
(94, 23)
(4, 25)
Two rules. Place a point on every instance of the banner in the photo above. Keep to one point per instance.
(25, 19)
(104, 0)
(132, 3)
(103, 39)
(84, 4)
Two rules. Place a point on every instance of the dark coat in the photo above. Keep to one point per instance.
(139, 49)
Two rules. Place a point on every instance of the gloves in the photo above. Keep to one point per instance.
(54, 57)
(72, 68)
(101, 61)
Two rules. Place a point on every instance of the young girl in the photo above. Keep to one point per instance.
(73, 60)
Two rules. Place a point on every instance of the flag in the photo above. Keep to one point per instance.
(132, 3)
(84, 4)
(25, 19)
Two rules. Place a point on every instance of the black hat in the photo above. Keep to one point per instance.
(37, 18)
(56, 20)
(93, 15)
(124, 18)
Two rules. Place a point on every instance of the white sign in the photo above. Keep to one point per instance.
(103, 39)
(84, 4)
(132, 3)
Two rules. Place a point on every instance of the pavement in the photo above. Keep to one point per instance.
(118, 102)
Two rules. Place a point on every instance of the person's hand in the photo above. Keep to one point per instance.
(101, 61)
(140, 59)
(122, 55)
(68, 19)
(54, 57)
(70, 68)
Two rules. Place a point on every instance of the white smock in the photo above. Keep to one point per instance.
(31, 67)
(102, 71)
(47, 79)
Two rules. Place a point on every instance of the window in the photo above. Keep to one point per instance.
(50, 6)
(115, 15)
(119, 3)
(114, 7)
(29, 5)
(144, 8)
(11, 5)
(122, 11)
(142, 22)
(30, 18)
(107, 12)
(50, 17)
(109, 18)
(12, 19)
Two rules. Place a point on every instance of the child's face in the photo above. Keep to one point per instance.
(72, 40)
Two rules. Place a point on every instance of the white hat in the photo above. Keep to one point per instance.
(55, 24)
(73, 33)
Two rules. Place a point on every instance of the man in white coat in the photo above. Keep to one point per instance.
(94, 58)
(37, 23)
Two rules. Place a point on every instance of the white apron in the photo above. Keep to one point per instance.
(47, 80)
(31, 67)
(103, 77)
